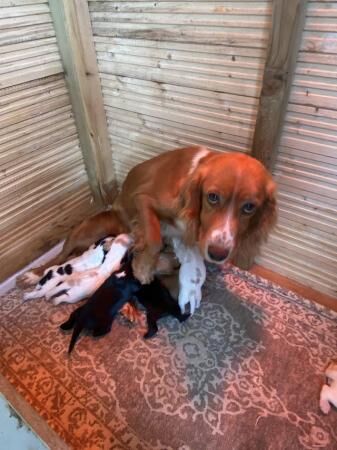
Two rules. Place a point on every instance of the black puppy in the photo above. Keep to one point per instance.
(102, 307)
(158, 303)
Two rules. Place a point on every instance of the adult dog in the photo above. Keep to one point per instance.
(219, 205)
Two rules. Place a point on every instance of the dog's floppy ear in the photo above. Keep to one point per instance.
(190, 206)
(257, 233)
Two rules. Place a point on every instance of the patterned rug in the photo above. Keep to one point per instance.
(243, 373)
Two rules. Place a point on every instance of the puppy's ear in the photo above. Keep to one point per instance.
(190, 206)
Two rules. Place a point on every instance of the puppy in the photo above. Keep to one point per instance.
(79, 285)
(90, 259)
(329, 390)
(158, 303)
(98, 314)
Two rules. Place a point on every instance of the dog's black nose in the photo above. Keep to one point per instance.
(217, 253)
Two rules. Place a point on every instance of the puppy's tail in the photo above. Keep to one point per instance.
(77, 331)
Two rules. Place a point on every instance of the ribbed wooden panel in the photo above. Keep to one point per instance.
(176, 73)
(304, 246)
(43, 184)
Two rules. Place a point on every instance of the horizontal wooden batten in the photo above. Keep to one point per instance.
(220, 51)
(183, 133)
(206, 7)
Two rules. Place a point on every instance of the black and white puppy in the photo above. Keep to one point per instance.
(93, 258)
(99, 312)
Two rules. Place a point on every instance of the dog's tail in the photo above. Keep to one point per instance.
(77, 331)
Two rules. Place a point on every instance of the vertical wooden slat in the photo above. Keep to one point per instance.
(288, 18)
(74, 36)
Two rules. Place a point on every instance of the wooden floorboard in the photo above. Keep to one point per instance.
(298, 288)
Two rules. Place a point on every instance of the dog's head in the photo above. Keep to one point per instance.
(229, 199)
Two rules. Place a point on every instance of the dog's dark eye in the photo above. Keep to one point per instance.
(248, 208)
(213, 198)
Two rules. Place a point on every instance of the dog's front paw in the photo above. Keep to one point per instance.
(190, 297)
(27, 279)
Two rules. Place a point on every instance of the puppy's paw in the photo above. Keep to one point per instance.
(27, 279)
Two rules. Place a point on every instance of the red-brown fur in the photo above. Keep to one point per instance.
(162, 190)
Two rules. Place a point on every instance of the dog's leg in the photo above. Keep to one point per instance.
(148, 240)
(192, 275)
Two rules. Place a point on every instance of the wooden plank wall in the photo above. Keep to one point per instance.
(304, 246)
(43, 183)
(175, 73)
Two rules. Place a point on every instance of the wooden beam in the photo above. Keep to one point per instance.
(288, 18)
(74, 35)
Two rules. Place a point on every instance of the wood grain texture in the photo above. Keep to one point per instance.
(288, 19)
(74, 36)
(44, 188)
(304, 245)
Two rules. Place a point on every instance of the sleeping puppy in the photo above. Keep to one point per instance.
(158, 303)
(98, 314)
(90, 259)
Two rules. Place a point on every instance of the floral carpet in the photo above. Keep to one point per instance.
(243, 373)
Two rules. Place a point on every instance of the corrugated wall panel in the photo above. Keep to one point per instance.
(176, 73)
(304, 246)
(43, 184)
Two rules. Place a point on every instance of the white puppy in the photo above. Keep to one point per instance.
(52, 276)
(76, 286)
(329, 390)
(192, 275)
